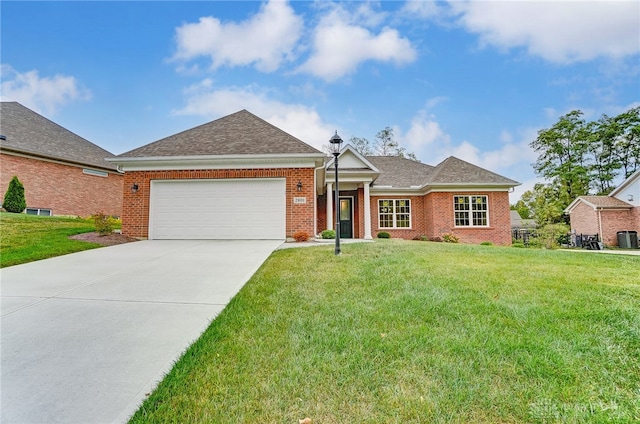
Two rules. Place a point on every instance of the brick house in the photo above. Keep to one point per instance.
(241, 177)
(63, 173)
(607, 215)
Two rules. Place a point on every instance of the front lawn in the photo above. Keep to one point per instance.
(26, 238)
(417, 332)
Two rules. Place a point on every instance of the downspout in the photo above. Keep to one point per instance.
(600, 224)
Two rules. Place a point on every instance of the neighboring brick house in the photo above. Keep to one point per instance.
(241, 177)
(62, 173)
(607, 215)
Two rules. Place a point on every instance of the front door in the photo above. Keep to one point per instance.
(346, 218)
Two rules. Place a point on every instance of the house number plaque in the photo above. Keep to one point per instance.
(299, 200)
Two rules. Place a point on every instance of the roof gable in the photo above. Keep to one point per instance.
(27, 132)
(454, 171)
(241, 133)
(599, 202)
(350, 158)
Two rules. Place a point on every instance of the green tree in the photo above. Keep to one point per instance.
(545, 204)
(14, 200)
(361, 145)
(627, 140)
(522, 208)
(563, 156)
(386, 145)
(601, 139)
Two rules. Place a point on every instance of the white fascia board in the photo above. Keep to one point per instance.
(218, 162)
(395, 191)
(625, 183)
(467, 187)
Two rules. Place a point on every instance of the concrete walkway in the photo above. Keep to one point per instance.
(86, 336)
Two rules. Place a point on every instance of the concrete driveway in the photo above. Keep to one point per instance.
(85, 336)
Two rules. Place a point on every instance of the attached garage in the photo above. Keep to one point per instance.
(227, 209)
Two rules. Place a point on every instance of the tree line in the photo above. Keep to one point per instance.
(580, 157)
(384, 144)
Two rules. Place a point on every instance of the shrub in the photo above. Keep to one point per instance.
(517, 244)
(421, 238)
(104, 223)
(486, 243)
(300, 236)
(14, 200)
(551, 236)
(384, 234)
(450, 238)
(328, 234)
(436, 239)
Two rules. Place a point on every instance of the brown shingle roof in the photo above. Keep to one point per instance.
(30, 133)
(241, 133)
(456, 171)
(605, 202)
(400, 172)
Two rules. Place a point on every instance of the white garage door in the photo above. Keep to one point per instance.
(217, 209)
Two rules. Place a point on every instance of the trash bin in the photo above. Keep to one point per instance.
(627, 239)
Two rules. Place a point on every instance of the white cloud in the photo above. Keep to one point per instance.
(558, 31)
(424, 131)
(339, 46)
(422, 9)
(42, 94)
(301, 121)
(265, 39)
(431, 144)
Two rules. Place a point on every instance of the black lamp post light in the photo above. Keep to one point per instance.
(335, 142)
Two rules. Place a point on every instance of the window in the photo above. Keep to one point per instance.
(471, 211)
(38, 211)
(394, 213)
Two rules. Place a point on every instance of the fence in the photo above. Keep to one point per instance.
(585, 241)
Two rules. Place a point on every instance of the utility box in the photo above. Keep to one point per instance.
(627, 239)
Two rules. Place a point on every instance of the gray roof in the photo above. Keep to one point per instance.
(30, 133)
(241, 133)
(401, 172)
(456, 171)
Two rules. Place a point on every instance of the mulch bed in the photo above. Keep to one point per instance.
(108, 240)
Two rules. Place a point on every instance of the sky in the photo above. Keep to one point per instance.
(476, 80)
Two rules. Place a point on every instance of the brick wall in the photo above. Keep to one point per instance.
(586, 220)
(439, 217)
(299, 217)
(64, 189)
(614, 221)
(418, 218)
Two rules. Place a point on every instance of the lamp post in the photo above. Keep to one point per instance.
(335, 142)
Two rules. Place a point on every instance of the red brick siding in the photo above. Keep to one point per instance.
(64, 189)
(418, 220)
(322, 213)
(440, 218)
(299, 217)
(585, 220)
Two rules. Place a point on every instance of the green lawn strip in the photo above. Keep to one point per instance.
(26, 238)
(398, 331)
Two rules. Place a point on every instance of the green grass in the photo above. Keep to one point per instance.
(26, 238)
(417, 332)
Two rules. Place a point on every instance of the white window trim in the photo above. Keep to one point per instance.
(394, 214)
(470, 211)
(38, 210)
